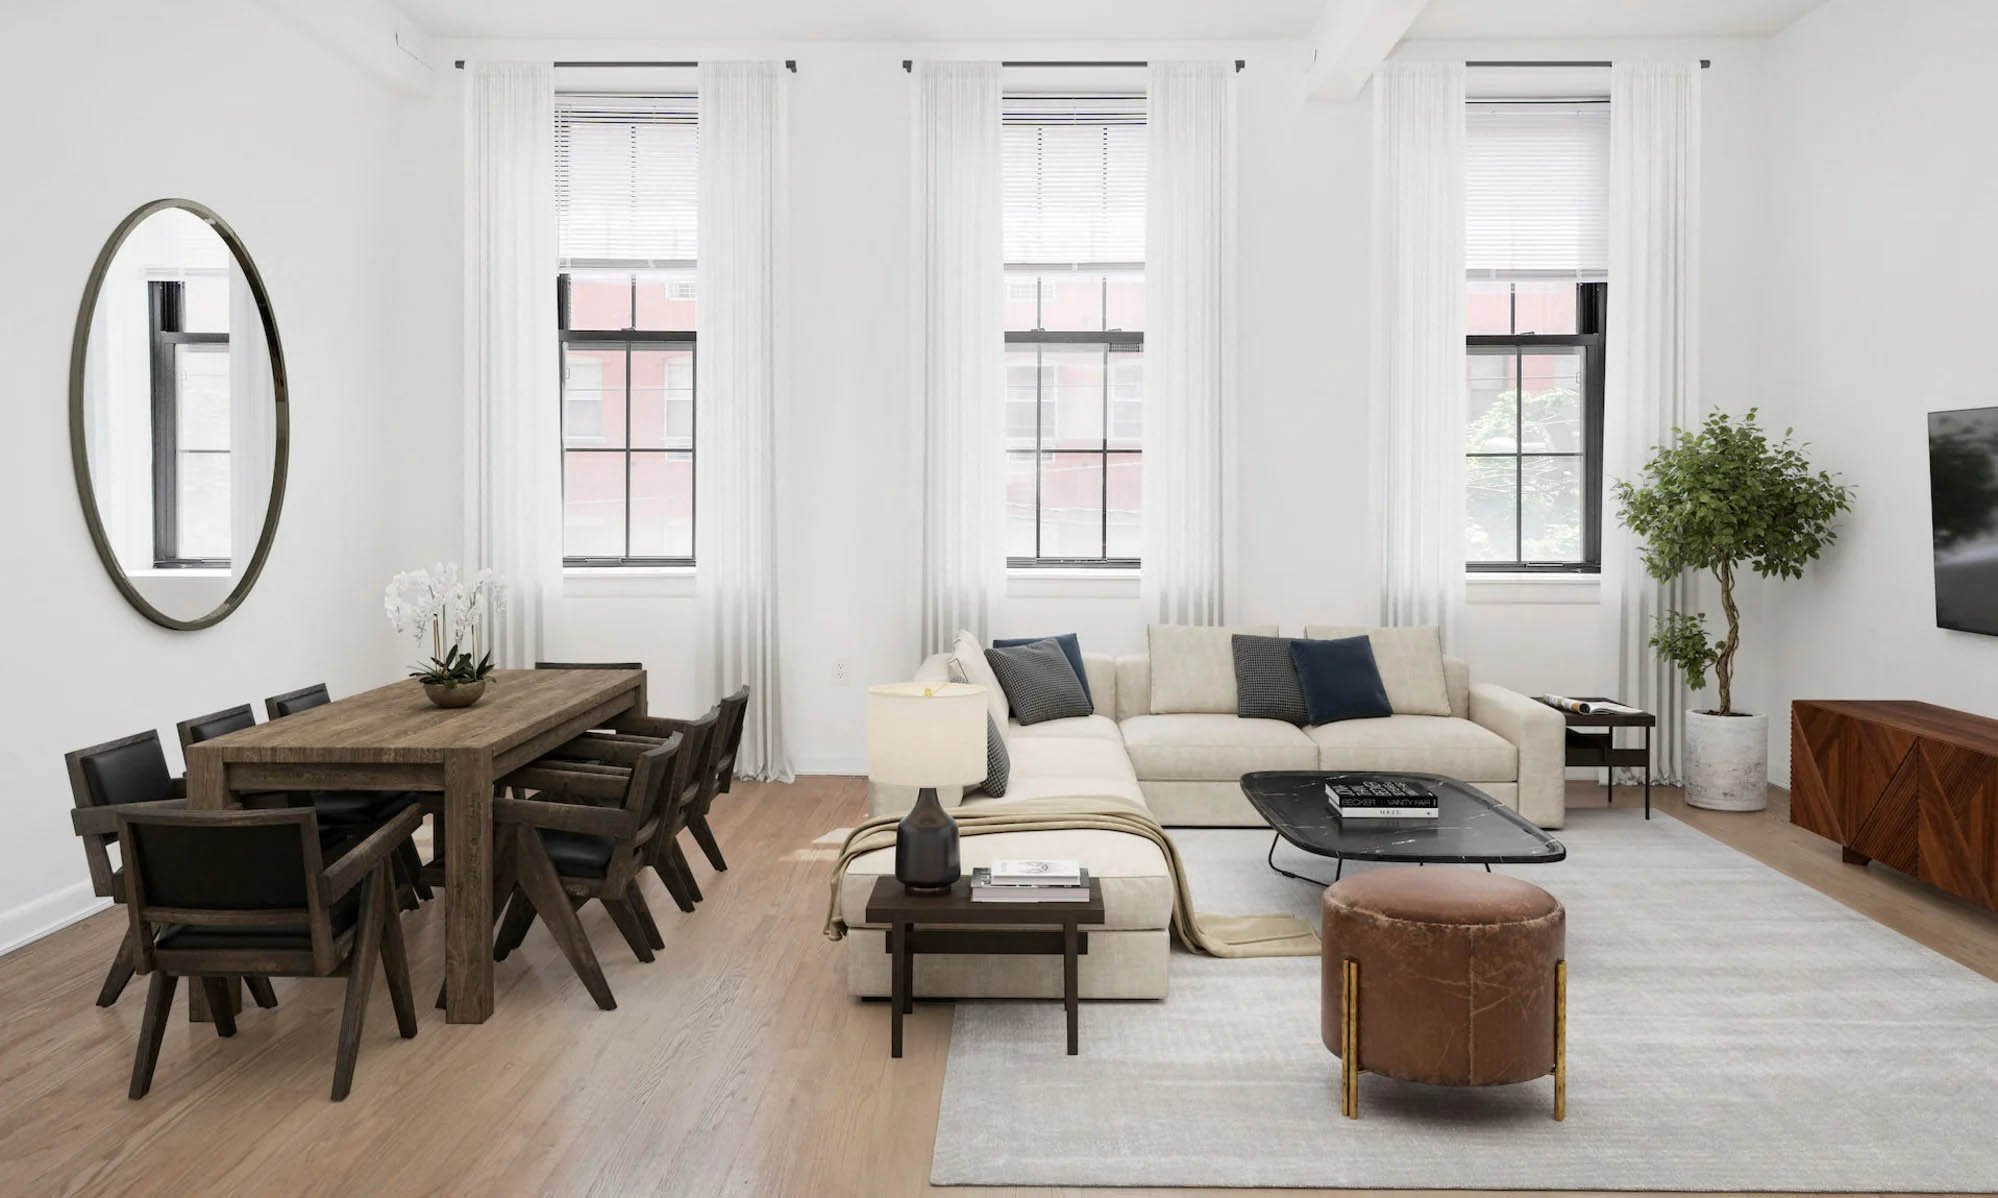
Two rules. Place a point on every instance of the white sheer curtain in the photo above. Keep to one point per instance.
(958, 337)
(1418, 335)
(743, 148)
(1189, 344)
(513, 494)
(1652, 356)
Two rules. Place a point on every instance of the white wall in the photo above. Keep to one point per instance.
(1305, 538)
(1882, 261)
(848, 432)
(122, 101)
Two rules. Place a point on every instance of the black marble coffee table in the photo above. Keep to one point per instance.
(1470, 828)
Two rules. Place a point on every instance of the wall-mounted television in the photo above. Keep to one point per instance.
(1963, 506)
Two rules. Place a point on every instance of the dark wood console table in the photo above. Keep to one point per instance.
(1912, 785)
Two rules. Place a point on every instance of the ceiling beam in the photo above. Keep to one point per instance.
(372, 34)
(1352, 38)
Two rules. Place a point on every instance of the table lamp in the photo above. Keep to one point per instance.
(926, 735)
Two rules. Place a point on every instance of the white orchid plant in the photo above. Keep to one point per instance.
(454, 614)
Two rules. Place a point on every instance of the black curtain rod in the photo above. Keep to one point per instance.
(1704, 63)
(908, 64)
(790, 64)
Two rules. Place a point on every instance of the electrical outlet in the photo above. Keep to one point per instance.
(839, 671)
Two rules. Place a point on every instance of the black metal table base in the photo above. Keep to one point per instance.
(1340, 862)
(1609, 777)
(1599, 750)
(1339, 866)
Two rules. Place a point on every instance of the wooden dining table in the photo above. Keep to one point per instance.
(392, 738)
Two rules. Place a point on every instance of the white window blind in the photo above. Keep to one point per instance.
(1536, 194)
(625, 178)
(1074, 179)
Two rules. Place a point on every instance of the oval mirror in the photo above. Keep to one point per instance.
(179, 426)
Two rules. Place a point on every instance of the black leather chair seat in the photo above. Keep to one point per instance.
(351, 807)
(578, 854)
(281, 938)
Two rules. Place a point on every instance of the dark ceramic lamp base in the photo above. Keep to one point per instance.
(926, 847)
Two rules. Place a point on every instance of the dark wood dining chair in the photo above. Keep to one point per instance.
(305, 698)
(703, 735)
(216, 723)
(343, 817)
(701, 742)
(583, 835)
(589, 665)
(355, 809)
(221, 723)
(129, 773)
(718, 778)
(734, 713)
(245, 893)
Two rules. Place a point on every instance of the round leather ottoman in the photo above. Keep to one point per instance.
(1446, 975)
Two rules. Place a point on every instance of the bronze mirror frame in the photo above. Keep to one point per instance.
(79, 351)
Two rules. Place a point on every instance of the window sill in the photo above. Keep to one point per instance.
(1079, 583)
(1579, 589)
(628, 582)
(194, 572)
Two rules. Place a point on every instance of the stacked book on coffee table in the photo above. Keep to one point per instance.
(1380, 798)
(1030, 880)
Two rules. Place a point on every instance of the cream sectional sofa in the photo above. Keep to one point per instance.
(1185, 768)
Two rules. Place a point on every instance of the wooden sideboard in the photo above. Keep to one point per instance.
(1912, 785)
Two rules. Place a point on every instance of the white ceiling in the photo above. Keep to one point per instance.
(1079, 20)
(870, 20)
(1533, 19)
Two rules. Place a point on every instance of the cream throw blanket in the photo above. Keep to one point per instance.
(1215, 935)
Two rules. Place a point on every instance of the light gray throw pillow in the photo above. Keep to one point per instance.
(998, 758)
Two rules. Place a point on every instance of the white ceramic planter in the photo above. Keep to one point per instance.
(1727, 761)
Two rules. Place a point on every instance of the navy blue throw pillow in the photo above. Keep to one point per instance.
(1341, 681)
(1070, 648)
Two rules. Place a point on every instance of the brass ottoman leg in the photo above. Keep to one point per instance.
(1561, 1039)
(1349, 1038)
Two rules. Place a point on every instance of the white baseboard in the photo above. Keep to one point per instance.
(53, 911)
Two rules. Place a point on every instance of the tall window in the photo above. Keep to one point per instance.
(189, 324)
(1537, 245)
(625, 192)
(1074, 189)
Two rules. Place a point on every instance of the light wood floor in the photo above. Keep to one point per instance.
(736, 1064)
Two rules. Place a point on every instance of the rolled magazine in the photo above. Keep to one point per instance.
(1589, 706)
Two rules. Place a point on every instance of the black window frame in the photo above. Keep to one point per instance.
(166, 306)
(628, 338)
(1112, 341)
(1591, 317)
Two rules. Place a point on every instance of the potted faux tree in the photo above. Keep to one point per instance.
(1720, 499)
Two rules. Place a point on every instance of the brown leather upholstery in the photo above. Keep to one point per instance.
(1456, 973)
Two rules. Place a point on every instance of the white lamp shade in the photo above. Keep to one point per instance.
(926, 734)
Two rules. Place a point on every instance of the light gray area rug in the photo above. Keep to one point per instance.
(1729, 1029)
